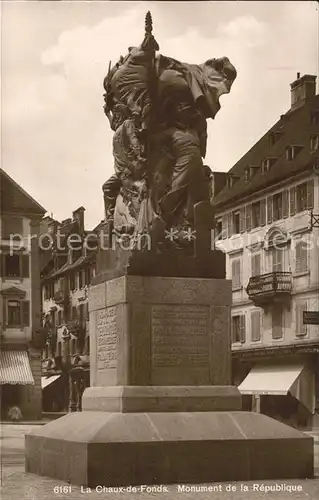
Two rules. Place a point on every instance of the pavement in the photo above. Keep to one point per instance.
(17, 485)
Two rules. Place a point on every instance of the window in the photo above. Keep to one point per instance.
(314, 143)
(53, 319)
(277, 260)
(255, 326)
(59, 353)
(277, 322)
(73, 346)
(87, 345)
(301, 197)
(292, 151)
(10, 226)
(277, 206)
(314, 118)
(12, 266)
(247, 174)
(301, 328)
(72, 281)
(87, 314)
(238, 329)
(74, 313)
(81, 281)
(236, 274)
(88, 275)
(255, 264)
(236, 222)
(301, 257)
(304, 196)
(219, 228)
(255, 214)
(274, 137)
(16, 313)
(82, 317)
(267, 163)
(15, 266)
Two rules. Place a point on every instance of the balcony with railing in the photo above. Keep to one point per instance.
(270, 287)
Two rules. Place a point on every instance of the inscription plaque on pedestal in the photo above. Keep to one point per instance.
(106, 338)
(180, 336)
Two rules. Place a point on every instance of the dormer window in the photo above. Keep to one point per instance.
(267, 163)
(247, 174)
(274, 137)
(314, 143)
(231, 179)
(253, 170)
(314, 117)
(292, 151)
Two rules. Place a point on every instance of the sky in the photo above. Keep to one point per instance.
(56, 140)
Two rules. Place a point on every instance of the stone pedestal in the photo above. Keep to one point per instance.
(160, 331)
(160, 409)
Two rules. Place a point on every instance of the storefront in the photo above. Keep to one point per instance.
(282, 384)
(16, 380)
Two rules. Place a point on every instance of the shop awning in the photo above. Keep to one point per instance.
(281, 380)
(15, 368)
(45, 381)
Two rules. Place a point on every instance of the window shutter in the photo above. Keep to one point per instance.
(255, 264)
(304, 258)
(298, 257)
(234, 269)
(269, 209)
(230, 224)
(248, 217)
(236, 279)
(87, 316)
(224, 226)
(277, 260)
(285, 203)
(25, 313)
(25, 266)
(293, 200)
(310, 194)
(242, 329)
(239, 272)
(242, 220)
(255, 326)
(276, 322)
(262, 212)
(301, 328)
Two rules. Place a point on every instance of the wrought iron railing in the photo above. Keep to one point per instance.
(270, 283)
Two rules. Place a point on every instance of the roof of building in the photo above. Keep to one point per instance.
(294, 128)
(15, 199)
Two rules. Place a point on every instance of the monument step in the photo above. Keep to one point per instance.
(121, 449)
(136, 399)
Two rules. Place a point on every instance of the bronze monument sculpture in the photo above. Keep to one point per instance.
(158, 107)
(160, 408)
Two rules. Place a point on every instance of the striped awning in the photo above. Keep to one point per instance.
(15, 368)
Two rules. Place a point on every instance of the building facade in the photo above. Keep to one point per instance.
(68, 266)
(267, 224)
(20, 301)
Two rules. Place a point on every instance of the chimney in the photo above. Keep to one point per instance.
(302, 90)
(53, 227)
(78, 216)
